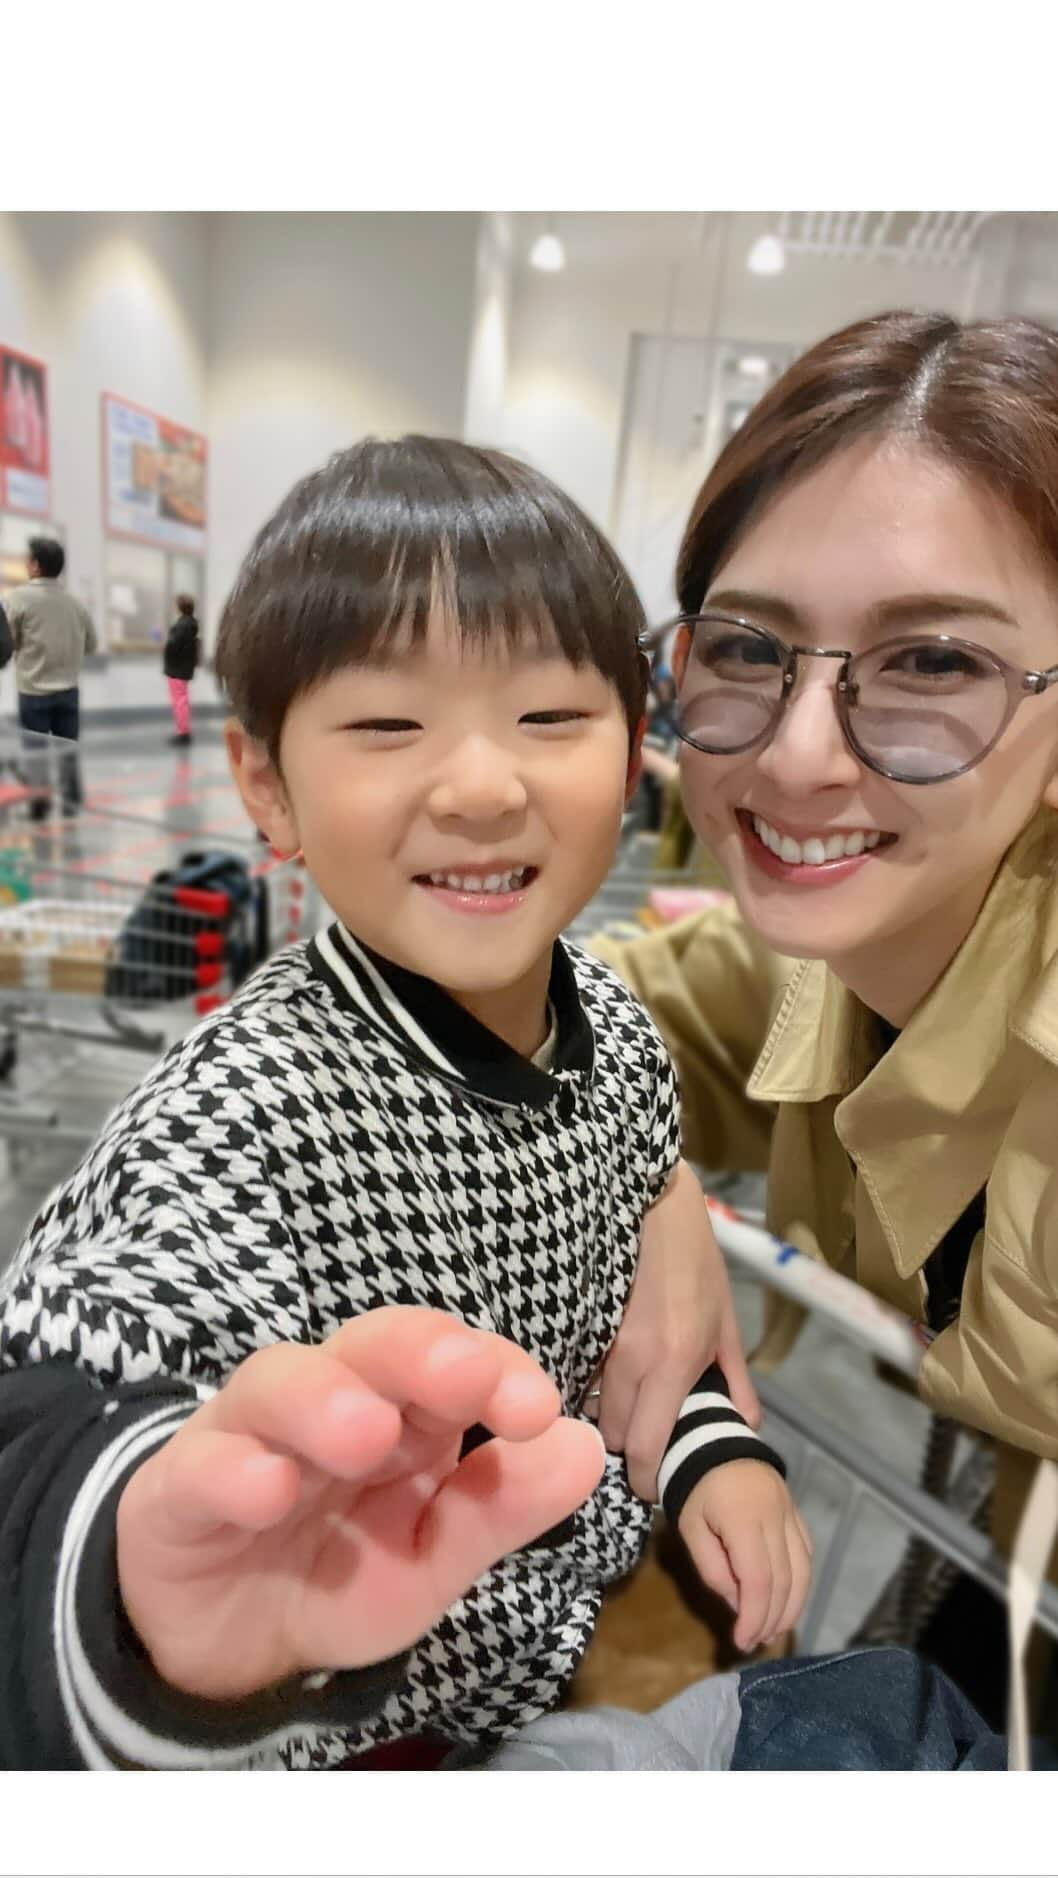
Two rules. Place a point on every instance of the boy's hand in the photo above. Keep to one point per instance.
(680, 1318)
(315, 1513)
(746, 1538)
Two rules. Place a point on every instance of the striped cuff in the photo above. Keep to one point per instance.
(708, 1432)
(118, 1710)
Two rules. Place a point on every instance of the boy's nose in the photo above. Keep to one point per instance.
(479, 782)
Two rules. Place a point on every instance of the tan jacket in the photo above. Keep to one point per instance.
(52, 632)
(872, 1156)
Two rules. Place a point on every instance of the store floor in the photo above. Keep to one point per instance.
(144, 804)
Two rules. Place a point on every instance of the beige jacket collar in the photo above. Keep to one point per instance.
(924, 1121)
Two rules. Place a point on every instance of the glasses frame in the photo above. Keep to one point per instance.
(1020, 684)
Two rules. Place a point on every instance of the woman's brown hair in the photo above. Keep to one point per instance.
(982, 396)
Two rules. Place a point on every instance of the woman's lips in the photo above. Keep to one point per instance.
(804, 873)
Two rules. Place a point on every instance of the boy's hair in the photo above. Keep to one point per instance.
(185, 604)
(367, 548)
(49, 555)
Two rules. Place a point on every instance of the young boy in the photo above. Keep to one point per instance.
(299, 1340)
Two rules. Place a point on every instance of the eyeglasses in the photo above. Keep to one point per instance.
(917, 710)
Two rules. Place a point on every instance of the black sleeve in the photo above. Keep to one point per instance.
(709, 1431)
(77, 1689)
(7, 643)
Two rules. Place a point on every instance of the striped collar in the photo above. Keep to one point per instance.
(428, 1025)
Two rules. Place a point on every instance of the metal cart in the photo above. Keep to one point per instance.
(85, 909)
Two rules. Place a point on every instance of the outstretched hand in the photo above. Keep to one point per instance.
(315, 1514)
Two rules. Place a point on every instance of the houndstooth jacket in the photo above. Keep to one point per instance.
(340, 1136)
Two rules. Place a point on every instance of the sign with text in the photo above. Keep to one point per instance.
(154, 478)
(25, 457)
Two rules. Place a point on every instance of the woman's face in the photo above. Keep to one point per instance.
(882, 540)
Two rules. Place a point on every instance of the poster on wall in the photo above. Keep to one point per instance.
(154, 478)
(25, 465)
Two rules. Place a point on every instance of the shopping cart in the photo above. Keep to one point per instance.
(112, 945)
(940, 1515)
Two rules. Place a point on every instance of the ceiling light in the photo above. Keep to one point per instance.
(547, 253)
(752, 366)
(767, 255)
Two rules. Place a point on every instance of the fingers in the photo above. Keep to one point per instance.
(304, 1403)
(205, 1479)
(800, 1550)
(656, 1407)
(619, 1384)
(732, 1361)
(711, 1562)
(435, 1366)
(752, 1567)
(501, 1497)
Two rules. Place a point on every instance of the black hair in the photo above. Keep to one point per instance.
(367, 548)
(49, 555)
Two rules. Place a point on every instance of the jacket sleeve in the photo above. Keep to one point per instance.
(91, 637)
(77, 1689)
(712, 990)
(158, 1266)
(709, 1431)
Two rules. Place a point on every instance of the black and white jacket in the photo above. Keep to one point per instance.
(340, 1136)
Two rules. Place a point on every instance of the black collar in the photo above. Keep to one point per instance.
(414, 1013)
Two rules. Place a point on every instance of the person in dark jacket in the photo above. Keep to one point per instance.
(179, 661)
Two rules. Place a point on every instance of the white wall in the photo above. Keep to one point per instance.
(570, 332)
(110, 303)
(490, 337)
(282, 337)
(323, 329)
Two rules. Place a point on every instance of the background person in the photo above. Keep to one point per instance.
(179, 663)
(52, 633)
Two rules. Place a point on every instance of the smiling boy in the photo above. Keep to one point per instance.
(328, 1247)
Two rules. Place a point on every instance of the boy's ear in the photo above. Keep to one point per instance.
(261, 787)
(635, 760)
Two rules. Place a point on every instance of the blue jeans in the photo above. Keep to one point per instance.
(858, 1711)
(54, 714)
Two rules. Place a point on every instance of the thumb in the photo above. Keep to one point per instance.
(504, 1495)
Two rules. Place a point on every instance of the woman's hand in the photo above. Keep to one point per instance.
(680, 1318)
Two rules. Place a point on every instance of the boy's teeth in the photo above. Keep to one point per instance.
(481, 883)
(817, 848)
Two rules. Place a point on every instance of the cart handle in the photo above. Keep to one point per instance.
(885, 1332)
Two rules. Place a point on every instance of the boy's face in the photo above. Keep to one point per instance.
(456, 808)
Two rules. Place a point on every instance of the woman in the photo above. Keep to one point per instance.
(868, 705)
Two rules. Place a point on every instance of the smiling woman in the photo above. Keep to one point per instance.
(867, 658)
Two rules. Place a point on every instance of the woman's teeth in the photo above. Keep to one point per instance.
(510, 882)
(818, 848)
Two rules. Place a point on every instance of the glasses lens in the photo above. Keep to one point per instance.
(732, 685)
(924, 709)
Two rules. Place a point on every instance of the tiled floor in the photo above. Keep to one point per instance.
(144, 804)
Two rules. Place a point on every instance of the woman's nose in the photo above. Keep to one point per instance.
(809, 751)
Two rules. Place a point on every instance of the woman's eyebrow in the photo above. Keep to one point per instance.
(909, 609)
(925, 609)
(765, 606)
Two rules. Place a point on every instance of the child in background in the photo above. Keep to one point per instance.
(179, 662)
